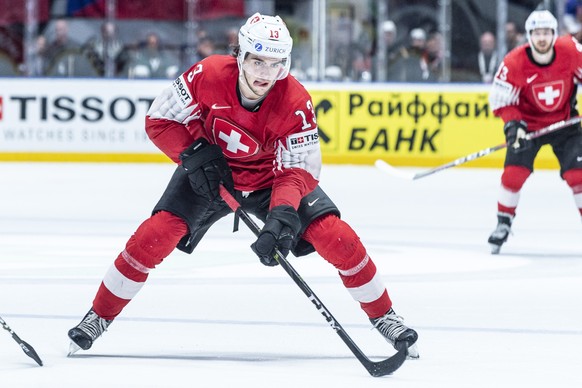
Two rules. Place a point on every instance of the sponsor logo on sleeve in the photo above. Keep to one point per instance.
(181, 92)
(303, 141)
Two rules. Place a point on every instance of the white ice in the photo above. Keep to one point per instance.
(218, 318)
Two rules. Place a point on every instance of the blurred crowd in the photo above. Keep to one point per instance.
(411, 53)
(105, 54)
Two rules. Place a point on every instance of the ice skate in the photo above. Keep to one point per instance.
(391, 326)
(85, 333)
(501, 232)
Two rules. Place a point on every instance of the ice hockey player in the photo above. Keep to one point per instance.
(534, 87)
(243, 122)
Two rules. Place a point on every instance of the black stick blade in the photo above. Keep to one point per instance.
(30, 352)
(388, 366)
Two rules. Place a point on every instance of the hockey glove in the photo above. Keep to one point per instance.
(207, 169)
(280, 229)
(515, 132)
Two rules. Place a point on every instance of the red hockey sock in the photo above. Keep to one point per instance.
(337, 243)
(154, 240)
(512, 181)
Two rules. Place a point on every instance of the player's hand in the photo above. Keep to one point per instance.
(280, 229)
(515, 132)
(207, 169)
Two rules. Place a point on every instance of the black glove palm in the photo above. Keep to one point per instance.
(280, 229)
(207, 169)
(515, 132)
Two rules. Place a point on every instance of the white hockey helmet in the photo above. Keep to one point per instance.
(265, 36)
(541, 19)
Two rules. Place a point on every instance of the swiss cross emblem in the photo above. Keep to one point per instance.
(233, 140)
(548, 96)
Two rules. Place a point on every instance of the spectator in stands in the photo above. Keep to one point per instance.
(153, 62)
(61, 45)
(301, 55)
(414, 63)
(204, 48)
(487, 58)
(107, 48)
(513, 36)
(433, 56)
(39, 62)
(362, 51)
(394, 52)
(8, 67)
(231, 39)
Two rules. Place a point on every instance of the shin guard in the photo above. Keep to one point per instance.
(153, 241)
(337, 243)
(512, 181)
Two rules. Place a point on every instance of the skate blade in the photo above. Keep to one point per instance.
(73, 348)
(495, 249)
(412, 353)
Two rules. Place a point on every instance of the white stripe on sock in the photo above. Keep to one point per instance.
(508, 198)
(119, 285)
(370, 291)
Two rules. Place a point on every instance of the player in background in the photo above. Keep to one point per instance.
(243, 122)
(534, 87)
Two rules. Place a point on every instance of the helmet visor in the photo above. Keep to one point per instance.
(264, 68)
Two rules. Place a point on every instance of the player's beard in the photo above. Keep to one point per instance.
(543, 54)
(543, 50)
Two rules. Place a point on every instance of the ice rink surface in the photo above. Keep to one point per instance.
(218, 318)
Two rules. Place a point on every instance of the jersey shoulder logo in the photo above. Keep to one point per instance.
(303, 141)
(549, 96)
(181, 92)
(235, 142)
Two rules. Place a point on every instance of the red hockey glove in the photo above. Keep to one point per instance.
(207, 169)
(279, 231)
(515, 132)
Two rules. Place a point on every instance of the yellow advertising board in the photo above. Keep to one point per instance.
(427, 126)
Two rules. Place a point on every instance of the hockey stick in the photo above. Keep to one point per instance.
(384, 166)
(29, 350)
(376, 369)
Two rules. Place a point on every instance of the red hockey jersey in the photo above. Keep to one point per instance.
(277, 145)
(538, 94)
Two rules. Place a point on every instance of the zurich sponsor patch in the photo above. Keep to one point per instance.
(303, 141)
(258, 47)
(275, 50)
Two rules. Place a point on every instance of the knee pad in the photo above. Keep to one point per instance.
(514, 177)
(335, 241)
(156, 238)
(574, 179)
